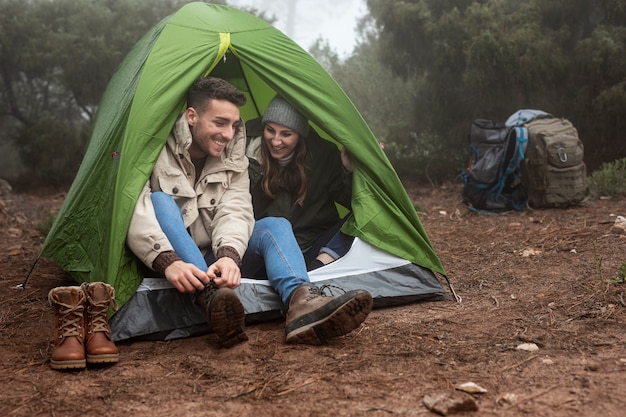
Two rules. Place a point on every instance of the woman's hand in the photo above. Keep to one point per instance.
(346, 160)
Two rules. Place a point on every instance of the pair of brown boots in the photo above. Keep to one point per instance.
(81, 329)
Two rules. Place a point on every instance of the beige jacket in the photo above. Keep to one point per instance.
(217, 209)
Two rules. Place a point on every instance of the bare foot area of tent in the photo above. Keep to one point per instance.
(541, 329)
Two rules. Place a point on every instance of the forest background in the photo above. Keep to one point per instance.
(420, 73)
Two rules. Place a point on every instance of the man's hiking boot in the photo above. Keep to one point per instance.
(313, 317)
(224, 312)
(99, 346)
(68, 304)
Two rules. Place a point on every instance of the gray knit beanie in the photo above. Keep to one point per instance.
(282, 113)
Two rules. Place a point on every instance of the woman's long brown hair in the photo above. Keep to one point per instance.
(293, 176)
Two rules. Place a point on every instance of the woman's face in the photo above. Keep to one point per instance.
(280, 140)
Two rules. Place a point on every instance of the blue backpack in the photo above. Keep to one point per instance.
(493, 180)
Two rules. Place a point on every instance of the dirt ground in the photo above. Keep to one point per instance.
(538, 277)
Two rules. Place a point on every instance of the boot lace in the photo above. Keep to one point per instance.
(69, 321)
(97, 313)
(322, 291)
(202, 298)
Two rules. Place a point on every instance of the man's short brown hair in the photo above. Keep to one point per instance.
(207, 88)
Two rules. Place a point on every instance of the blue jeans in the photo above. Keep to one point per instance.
(272, 246)
(332, 242)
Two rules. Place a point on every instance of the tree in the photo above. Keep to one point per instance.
(488, 58)
(56, 58)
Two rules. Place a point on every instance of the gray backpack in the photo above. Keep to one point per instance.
(553, 169)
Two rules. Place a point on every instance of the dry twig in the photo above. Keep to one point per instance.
(304, 384)
(528, 359)
(532, 397)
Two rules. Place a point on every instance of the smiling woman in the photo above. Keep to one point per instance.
(299, 176)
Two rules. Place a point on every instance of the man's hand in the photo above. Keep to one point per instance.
(186, 277)
(225, 273)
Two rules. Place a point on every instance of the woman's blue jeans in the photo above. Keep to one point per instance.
(332, 242)
(272, 247)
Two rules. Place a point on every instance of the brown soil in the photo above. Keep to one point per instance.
(540, 277)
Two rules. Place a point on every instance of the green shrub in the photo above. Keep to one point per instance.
(621, 275)
(610, 179)
(44, 225)
(51, 150)
(422, 157)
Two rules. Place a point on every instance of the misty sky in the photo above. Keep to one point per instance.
(333, 20)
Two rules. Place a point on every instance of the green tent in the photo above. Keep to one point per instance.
(142, 102)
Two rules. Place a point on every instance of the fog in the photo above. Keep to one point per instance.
(305, 21)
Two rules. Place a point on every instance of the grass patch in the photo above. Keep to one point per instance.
(621, 274)
(609, 180)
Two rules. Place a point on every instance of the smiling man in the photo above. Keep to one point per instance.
(194, 224)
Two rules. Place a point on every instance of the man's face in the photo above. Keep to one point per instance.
(212, 129)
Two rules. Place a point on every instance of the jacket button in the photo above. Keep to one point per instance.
(175, 190)
(212, 201)
(157, 246)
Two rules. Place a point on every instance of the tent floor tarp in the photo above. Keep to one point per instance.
(157, 311)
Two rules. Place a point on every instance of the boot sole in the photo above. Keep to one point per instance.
(338, 318)
(66, 365)
(227, 318)
(99, 359)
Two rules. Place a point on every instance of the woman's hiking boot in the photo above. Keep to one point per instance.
(313, 317)
(224, 312)
(68, 304)
(100, 348)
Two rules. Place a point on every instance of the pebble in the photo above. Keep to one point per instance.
(530, 347)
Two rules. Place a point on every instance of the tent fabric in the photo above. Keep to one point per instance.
(142, 102)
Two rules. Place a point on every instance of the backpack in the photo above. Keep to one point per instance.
(553, 170)
(493, 180)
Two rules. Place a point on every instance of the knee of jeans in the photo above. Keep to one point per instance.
(273, 223)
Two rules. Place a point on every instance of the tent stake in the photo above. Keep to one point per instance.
(32, 268)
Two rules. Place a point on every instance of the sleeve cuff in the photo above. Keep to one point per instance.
(163, 260)
(227, 251)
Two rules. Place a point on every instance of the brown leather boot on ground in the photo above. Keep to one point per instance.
(313, 317)
(69, 330)
(99, 346)
(224, 312)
